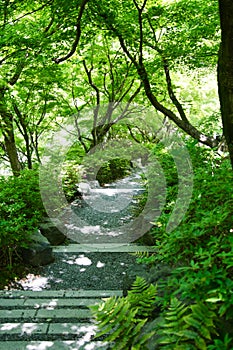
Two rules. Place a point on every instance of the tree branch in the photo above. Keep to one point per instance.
(18, 71)
(140, 10)
(30, 12)
(78, 34)
(88, 72)
(182, 124)
(170, 90)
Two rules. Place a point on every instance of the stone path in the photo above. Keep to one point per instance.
(55, 319)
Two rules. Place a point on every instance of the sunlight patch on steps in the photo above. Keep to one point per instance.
(34, 282)
(81, 260)
(40, 346)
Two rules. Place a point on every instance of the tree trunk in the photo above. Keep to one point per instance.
(9, 138)
(225, 72)
(11, 150)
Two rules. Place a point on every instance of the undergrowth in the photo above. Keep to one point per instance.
(21, 210)
(192, 307)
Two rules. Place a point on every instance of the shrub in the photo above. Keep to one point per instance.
(113, 170)
(21, 209)
(196, 299)
(71, 176)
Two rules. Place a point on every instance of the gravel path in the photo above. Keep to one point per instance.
(106, 213)
(95, 270)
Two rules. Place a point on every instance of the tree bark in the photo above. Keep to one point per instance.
(7, 121)
(225, 72)
(7, 127)
(10, 145)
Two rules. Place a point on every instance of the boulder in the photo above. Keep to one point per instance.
(52, 233)
(39, 252)
(84, 188)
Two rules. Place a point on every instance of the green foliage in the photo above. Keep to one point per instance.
(128, 323)
(122, 319)
(191, 32)
(201, 248)
(209, 216)
(113, 170)
(145, 257)
(21, 209)
(186, 327)
(224, 344)
(71, 176)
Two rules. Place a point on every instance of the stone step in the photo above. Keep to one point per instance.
(55, 314)
(50, 319)
(46, 331)
(104, 247)
(33, 328)
(52, 345)
(46, 303)
(59, 293)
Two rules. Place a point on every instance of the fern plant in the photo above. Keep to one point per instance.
(142, 297)
(141, 254)
(145, 257)
(123, 319)
(186, 327)
(124, 322)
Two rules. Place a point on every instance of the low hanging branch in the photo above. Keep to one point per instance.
(78, 34)
(171, 92)
(181, 120)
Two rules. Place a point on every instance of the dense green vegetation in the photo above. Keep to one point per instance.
(129, 76)
(21, 210)
(192, 307)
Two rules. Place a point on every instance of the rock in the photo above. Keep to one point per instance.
(39, 252)
(52, 233)
(84, 188)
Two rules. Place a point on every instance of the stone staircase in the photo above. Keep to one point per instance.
(49, 319)
(54, 319)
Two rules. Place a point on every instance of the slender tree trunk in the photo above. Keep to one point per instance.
(6, 124)
(22, 126)
(225, 72)
(7, 121)
(10, 145)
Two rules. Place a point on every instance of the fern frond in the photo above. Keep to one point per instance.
(139, 285)
(121, 320)
(203, 313)
(186, 325)
(142, 296)
(141, 255)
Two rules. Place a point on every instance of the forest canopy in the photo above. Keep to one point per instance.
(58, 56)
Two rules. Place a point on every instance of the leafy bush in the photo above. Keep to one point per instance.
(128, 323)
(201, 248)
(122, 319)
(113, 170)
(196, 299)
(21, 209)
(71, 176)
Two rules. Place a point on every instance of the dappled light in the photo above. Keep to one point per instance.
(116, 159)
(40, 346)
(34, 282)
(81, 260)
